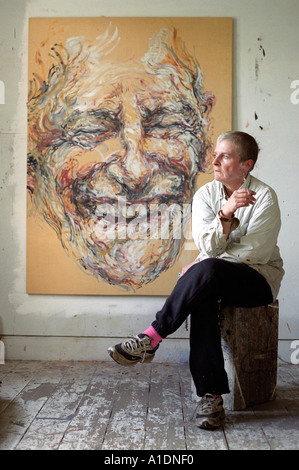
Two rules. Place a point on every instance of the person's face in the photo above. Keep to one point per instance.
(125, 146)
(227, 166)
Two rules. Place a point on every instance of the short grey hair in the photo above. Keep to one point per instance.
(246, 145)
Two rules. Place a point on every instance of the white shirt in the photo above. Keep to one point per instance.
(253, 239)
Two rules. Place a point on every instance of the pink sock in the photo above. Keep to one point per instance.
(156, 338)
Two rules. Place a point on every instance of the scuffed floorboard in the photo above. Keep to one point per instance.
(102, 406)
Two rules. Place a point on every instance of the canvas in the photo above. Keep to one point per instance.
(123, 114)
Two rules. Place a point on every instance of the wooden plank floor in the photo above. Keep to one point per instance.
(100, 405)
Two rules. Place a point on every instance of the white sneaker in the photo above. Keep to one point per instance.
(133, 350)
(210, 412)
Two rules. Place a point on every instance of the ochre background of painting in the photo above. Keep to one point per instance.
(49, 268)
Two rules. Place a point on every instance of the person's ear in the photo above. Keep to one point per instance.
(247, 165)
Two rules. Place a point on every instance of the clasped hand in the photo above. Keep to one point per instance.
(239, 198)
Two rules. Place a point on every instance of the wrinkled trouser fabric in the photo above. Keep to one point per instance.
(199, 293)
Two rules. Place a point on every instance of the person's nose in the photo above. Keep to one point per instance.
(216, 161)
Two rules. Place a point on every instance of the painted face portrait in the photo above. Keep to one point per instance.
(114, 150)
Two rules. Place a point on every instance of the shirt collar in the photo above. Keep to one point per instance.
(246, 185)
(247, 182)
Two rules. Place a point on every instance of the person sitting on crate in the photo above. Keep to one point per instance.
(235, 226)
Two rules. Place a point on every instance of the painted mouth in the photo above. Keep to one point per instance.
(159, 216)
(91, 204)
(120, 210)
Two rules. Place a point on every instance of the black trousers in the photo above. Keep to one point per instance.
(199, 293)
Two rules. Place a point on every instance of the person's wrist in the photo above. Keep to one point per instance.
(226, 217)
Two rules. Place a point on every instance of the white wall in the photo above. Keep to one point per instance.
(80, 327)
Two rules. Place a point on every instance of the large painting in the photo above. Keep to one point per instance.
(123, 114)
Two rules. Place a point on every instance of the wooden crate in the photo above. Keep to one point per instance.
(250, 346)
(250, 343)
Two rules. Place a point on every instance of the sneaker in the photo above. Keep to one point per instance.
(135, 349)
(211, 412)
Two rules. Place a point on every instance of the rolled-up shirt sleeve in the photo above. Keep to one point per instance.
(207, 230)
(256, 246)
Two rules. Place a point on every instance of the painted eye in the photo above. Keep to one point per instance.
(90, 138)
(168, 126)
(87, 130)
(90, 135)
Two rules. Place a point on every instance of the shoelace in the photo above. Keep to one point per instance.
(133, 343)
(206, 404)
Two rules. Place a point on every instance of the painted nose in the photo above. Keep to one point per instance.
(132, 170)
(135, 162)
